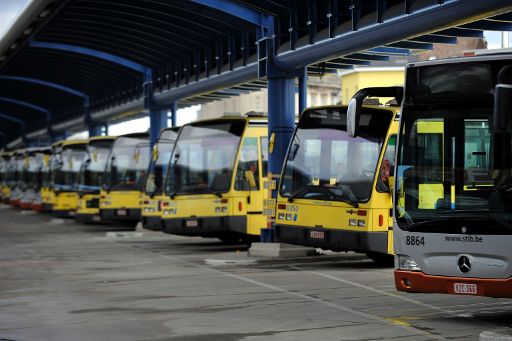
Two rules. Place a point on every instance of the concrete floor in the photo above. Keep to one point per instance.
(67, 281)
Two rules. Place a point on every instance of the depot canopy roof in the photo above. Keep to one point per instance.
(66, 61)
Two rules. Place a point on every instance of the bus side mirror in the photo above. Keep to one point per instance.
(353, 112)
(502, 108)
(293, 151)
(355, 105)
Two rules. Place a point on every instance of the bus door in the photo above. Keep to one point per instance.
(250, 177)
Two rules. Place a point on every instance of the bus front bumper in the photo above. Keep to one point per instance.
(64, 213)
(120, 214)
(37, 207)
(26, 205)
(333, 239)
(47, 207)
(205, 226)
(152, 223)
(417, 281)
(88, 218)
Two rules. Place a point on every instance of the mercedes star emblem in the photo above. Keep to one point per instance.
(464, 264)
(464, 229)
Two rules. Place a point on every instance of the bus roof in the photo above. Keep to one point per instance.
(135, 135)
(472, 59)
(102, 138)
(69, 143)
(394, 109)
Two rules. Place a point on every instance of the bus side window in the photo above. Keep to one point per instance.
(387, 166)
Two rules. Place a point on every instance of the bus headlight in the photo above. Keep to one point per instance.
(404, 262)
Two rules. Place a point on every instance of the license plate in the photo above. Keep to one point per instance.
(464, 288)
(192, 223)
(121, 212)
(317, 234)
(72, 213)
(96, 218)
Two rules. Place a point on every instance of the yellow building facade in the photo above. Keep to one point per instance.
(359, 78)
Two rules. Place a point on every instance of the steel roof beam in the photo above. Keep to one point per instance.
(419, 22)
(489, 25)
(13, 119)
(407, 44)
(264, 21)
(431, 38)
(367, 56)
(93, 53)
(460, 32)
(129, 64)
(46, 84)
(386, 50)
(34, 107)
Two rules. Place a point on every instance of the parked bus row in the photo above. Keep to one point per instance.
(425, 178)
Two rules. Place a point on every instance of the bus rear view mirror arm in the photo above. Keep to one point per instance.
(355, 104)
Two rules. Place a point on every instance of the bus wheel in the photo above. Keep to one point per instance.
(229, 238)
(381, 259)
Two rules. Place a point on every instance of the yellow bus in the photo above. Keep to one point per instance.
(125, 175)
(69, 159)
(47, 192)
(215, 179)
(17, 184)
(5, 177)
(43, 163)
(334, 191)
(154, 201)
(32, 176)
(91, 179)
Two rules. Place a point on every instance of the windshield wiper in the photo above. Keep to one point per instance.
(172, 194)
(300, 191)
(324, 194)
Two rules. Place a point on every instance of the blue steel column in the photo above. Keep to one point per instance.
(56, 137)
(281, 121)
(303, 90)
(95, 130)
(174, 111)
(157, 121)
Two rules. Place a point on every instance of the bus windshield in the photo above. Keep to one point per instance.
(452, 168)
(91, 174)
(204, 157)
(11, 171)
(35, 164)
(46, 170)
(159, 162)
(3, 170)
(325, 163)
(67, 168)
(20, 171)
(126, 168)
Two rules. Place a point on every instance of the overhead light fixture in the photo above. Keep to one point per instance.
(44, 13)
(28, 31)
(14, 46)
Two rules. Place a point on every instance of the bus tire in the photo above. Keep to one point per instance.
(381, 259)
